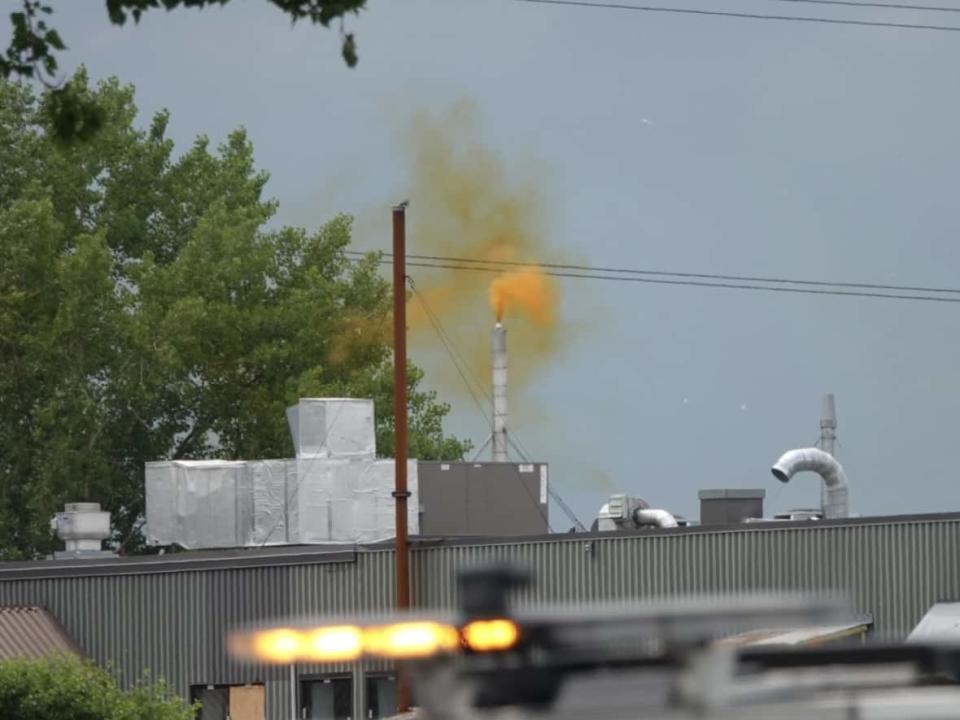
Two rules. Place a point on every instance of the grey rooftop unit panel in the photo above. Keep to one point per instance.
(483, 498)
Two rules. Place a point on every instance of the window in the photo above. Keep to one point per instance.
(381, 696)
(230, 702)
(327, 698)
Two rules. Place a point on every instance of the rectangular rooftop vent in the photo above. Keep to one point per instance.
(730, 506)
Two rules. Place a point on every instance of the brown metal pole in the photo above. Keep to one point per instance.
(400, 423)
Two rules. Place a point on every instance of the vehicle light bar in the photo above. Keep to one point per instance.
(399, 640)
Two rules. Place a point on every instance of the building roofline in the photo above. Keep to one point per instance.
(276, 556)
(751, 527)
(189, 561)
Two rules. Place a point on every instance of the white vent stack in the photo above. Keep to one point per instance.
(826, 466)
(82, 526)
(828, 436)
(498, 350)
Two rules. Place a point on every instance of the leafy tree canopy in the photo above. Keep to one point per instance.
(147, 313)
(34, 44)
(67, 688)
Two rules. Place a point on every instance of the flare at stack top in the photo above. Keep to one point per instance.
(498, 349)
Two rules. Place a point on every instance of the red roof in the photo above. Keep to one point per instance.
(31, 632)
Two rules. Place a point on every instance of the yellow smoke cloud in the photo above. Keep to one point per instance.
(467, 202)
(528, 291)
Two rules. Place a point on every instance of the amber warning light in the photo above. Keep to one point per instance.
(397, 641)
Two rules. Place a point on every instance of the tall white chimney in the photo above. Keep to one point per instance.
(498, 347)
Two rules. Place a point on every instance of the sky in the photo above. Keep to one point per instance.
(657, 141)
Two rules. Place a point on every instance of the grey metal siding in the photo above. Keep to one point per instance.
(175, 623)
(893, 571)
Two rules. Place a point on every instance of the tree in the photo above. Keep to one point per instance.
(146, 313)
(68, 688)
(34, 44)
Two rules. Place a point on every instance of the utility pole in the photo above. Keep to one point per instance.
(400, 493)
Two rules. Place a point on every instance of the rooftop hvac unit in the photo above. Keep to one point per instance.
(730, 506)
(220, 504)
(332, 427)
(333, 491)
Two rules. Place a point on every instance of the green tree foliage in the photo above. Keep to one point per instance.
(72, 116)
(146, 312)
(67, 688)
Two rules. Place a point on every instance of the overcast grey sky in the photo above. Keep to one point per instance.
(666, 141)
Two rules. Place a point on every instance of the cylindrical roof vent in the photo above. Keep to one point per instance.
(82, 526)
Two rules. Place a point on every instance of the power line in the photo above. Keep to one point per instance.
(451, 352)
(664, 273)
(455, 353)
(514, 440)
(743, 15)
(694, 283)
(881, 5)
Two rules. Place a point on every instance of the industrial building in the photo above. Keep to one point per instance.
(170, 614)
(311, 535)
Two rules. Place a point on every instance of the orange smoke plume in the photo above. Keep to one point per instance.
(468, 201)
(527, 290)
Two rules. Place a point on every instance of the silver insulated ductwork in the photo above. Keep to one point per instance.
(498, 350)
(626, 513)
(826, 466)
(655, 517)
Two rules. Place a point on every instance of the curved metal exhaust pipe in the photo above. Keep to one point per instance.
(653, 516)
(623, 513)
(826, 466)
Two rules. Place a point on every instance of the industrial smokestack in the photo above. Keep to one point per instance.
(816, 460)
(498, 348)
(828, 436)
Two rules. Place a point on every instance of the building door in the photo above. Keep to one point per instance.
(327, 698)
(381, 696)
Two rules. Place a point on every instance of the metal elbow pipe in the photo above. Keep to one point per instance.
(653, 516)
(826, 466)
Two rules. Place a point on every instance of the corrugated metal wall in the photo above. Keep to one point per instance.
(892, 570)
(174, 623)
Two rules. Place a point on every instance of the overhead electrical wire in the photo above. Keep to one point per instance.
(744, 15)
(455, 357)
(696, 283)
(872, 5)
(828, 289)
(665, 273)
